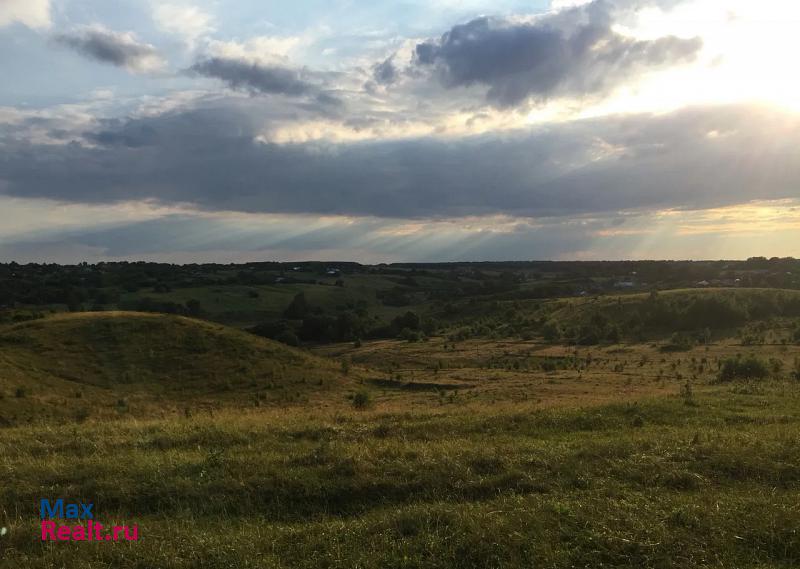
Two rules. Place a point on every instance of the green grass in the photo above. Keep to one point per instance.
(237, 305)
(111, 362)
(655, 484)
(232, 451)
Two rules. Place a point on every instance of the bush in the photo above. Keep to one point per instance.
(409, 321)
(362, 399)
(678, 343)
(588, 335)
(750, 367)
(551, 332)
(288, 337)
(411, 335)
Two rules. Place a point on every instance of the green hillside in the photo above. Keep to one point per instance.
(127, 362)
(757, 315)
(647, 316)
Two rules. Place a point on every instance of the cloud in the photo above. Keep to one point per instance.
(385, 73)
(214, 156)
(31, 13)
(620, 5)
(572, 53)
(187, 21)
(121, 49)
(264, 50)
(270, 79)
(254, 77)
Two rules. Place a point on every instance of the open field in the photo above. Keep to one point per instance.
(710, 481)
(469, 447)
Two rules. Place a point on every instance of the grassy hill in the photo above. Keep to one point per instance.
(688, 310)
(723, 312)
(126, 362)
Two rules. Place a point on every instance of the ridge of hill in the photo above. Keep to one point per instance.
(126, 361)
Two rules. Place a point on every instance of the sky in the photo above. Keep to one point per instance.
(409, 130)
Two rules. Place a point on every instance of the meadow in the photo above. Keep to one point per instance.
(708, 479)
(567, 432)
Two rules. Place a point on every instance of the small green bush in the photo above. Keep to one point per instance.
(750, 367)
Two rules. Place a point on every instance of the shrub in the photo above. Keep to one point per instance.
(588, 335)
(288, 337)
(410, 335)
(551, 332)
(678, 343)
(361, 399)
(409, 320)
(20, 393)
(750, 367)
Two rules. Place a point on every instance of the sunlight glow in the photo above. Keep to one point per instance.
(749, 54)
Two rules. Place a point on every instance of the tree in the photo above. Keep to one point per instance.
(298, 308)
(551, 332)
(408, 320)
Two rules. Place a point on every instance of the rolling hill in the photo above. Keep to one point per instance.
(98, 363)
(656, 314)
(637, 317)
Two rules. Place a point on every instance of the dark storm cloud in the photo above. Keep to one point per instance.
(574, 52)
(254, 77)
(138, 135)
(209, 156)
(107, 46)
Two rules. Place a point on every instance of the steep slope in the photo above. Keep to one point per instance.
(86, 360)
